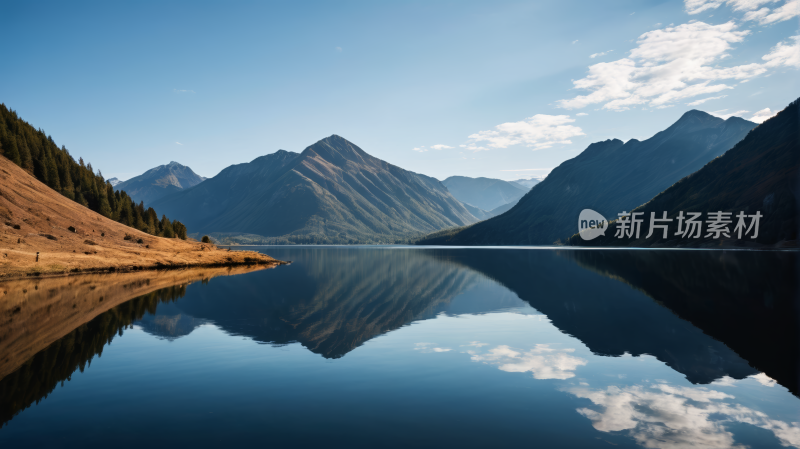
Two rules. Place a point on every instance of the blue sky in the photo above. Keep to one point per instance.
(510, 87)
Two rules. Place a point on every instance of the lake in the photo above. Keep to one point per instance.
(398, 347)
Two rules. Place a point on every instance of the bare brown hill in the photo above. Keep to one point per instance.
(70, 238)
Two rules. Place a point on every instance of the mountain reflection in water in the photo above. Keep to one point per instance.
(719, 318)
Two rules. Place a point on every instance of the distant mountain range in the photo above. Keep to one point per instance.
(332, 192)
(608, 177)
(159, 182)
(760, 175)
(527, 183)
(484, 193)
(113, 181)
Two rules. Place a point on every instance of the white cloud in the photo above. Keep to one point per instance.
(764, 380)
(670, 65)
(784, 54)
(698, 6)
(575, 41)
(600, 54)
(183, 91)
(703, 100)
(581, 114)
(428, 348)
(440, 147)
(762, 115)
(543, 361)
(178, 143)
(785, 12)
(419, 149)
(476, 344)
(725, 116)
(765, 16)
(537, 132)
(670, 417)
(339, 49)
(756, 15)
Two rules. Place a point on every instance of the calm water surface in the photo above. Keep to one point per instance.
(394, 347)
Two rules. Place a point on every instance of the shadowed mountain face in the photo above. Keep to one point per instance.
(760, 175)
(333, 192)
(614, 318)
(608, 177)
(159, 182)
(750, 300)
(484, 193)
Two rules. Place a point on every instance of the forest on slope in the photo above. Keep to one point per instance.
(38, 154)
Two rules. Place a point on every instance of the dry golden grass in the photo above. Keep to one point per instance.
(35, 218)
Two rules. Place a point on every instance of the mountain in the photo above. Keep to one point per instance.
(113, 181)
(332, 192)
(761, 174)
(527, 183)
(502, 209)
(160, 181)
(608, 177)
(484, 193)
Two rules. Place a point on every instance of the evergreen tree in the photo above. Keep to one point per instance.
(166, 227)
(36, 152)
(25, 156)
(10, 150)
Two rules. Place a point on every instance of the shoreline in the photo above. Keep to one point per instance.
(138, 268)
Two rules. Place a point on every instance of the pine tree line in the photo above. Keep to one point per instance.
(39, 155)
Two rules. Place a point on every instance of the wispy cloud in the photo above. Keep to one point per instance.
(537, 132)
(440, 147)
(421, 149)
(673, 64)
(542, 361)
(429, 347)
(701, 101)
(339, 49)
(723, 115)
(659, 415)
(698, 6)
(600, 54)
(178, 143)
(581, 114)
(183, 91)
(575, 42)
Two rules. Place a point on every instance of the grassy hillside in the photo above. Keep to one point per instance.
(37, 154)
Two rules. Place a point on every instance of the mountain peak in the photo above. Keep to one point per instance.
(159, 181)
(336, 149)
